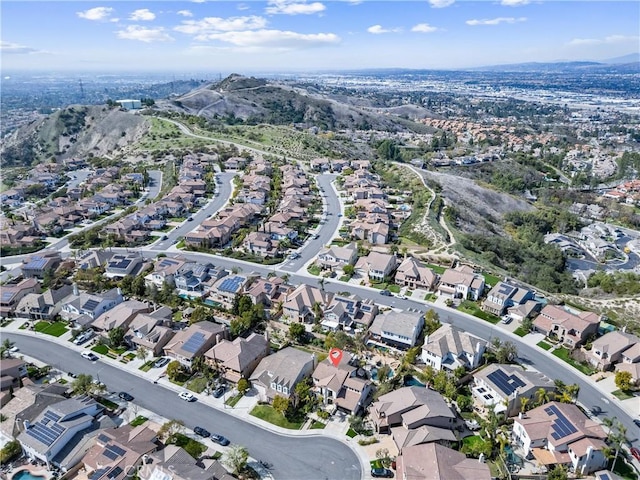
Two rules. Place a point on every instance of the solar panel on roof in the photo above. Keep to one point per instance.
(506, 289)
(6, 296)
(561, 426)
(194, 343)
(506, 383)
(98, 473)
(120, 451)
(115, 472)
(109, 454)
(53, 416)
(231, 284)
(91, 304)
(37, 263)
(103, 438)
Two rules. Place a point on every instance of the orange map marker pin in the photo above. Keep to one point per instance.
(335, 354)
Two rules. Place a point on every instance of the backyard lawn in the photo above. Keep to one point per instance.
(54, 329)
(268, 414)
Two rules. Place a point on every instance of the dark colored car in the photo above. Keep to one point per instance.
(220, 440)
(386, 293)
(635, 452)
(381, 473)
(637, 422)
(218, 392)
(125, 396)
(201, 431)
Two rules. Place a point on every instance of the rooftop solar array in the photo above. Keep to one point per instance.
(36, 263)
(98, 473)
(46, 430)
(7, 295)
(506, 289)
(167, 262)
(90, 304)
(231, 285)
(103, 438)
(115, 472)
(113, 451)
(121, 262)
(561, 426)
(194, 343)
(506, 383)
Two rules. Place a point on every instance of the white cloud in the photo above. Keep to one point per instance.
(184, 13)
(97, 13)
(211, 25)
(243, 6)
(378, 29)
(611, 39)
(424, 28)
(198, 1)
(496, 21)
(293, 7)
(514, 3)
(143, 14)
(278, 39)
(17, 49)
(441, 3)
(144, 34)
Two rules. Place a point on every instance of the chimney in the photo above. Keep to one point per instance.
(26, 424)
(119, 291)
(313, 360)
(217, 338)
(145, 459)
(75, 289)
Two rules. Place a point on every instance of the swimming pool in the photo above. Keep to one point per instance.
(27, 475)
(413, 382)
(374, 373)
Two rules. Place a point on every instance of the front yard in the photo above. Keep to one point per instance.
(55, 329)
(269, 414)
(565, 355)
(472, 308)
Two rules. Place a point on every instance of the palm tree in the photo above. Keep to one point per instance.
(6, 347)
(542, 396)
(617, 437)
(523, 404)
(142, 353)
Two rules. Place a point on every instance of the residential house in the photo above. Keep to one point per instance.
(336, 257)
(348, 313)
(12, 294)
(410, 408)
(195, 279)
(569, 328)
(56, 427)
(450, 348)
(118, 451)
(561, 434)
(280, 372)
(504, 295)
(119, 316)
(524, 310)
(225, 290)
(148, 330)
(397, 329)
(238, 358)
(90, 306)
(461, 282)
(193, 341)
(267, 292)
(13, 369)
(92, 259)
(36, 266)
(414, 274)
(122, 264)
(259, 243)
(502, 387)
(377, 266)
(608, 349)
(304, 303)
(436, 462)
(174, 463)
(341, 386)
(164, 271)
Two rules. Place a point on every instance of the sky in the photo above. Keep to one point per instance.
(309, 35)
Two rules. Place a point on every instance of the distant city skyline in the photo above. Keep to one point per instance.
(299, 35)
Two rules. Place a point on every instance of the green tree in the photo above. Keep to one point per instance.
(542, 396)
(297, 332)
(126, 285)
(236, 458)
(174, 369)
(431, 322)
(138, 287)
(9, 451)
(623, 380)
(559, 472)
(280, 404)
(116, 337)
(200, 314)
(170, 429)
(349, 270)
(616, 438)
(5, 348)
(507, 352)
(382, 454)
(142, 353)
(243, 386)
(83, 385)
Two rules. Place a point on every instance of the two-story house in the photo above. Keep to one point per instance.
(194, 341)
(569, 328)
(397, 329)
(504, 295)
(89, 306)
(12, 294)
(304, 304)
(450, 348)
(336, 257)
(238, 358)
(378, 266)
(609, 349)
(414, 274)
(461, 282)
(279, 373)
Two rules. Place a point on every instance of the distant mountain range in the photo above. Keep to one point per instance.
(624, 64)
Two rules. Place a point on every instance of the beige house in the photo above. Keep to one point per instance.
(377, 266)
(609, 349)
(435, 462)
(194, 341)
(238, 358)
(119, 316)
(449, 348)
(338, 257)
(569, 328)
(414, 274)
(174, 463)
(461, 282)
(299, 305)
(280, 372)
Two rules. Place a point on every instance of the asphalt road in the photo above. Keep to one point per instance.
(292, 457)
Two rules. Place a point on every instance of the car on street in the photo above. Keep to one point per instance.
(386, 293)
(635, 452)
(219, 439)
(89, 355)
(381, 473)
(190, 219)
(164, 237)
(125, 396)
(14, 349)
(204, 433)
(187, 396)
(637, 422)
(83, 337)
(161, 362)
(218, 392)
(506, 319)
(316, 236)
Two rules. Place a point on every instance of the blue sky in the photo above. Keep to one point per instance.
(297, 35)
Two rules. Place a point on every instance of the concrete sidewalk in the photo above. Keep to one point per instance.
(335, 428)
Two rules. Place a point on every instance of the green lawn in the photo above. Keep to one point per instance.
(139, 420)
(564, 354)
(491, 280)
(436, 268)
(430, 297)
(147, 366)
(197, 385)
(544, 345)
(375, 463)
(472, 308)
(393, 288)
(316, 425)
(107, 403)
(313, 269)
(232, 401)
(193, 447)
(472, 440)
(521, 332)
(622, 395)
(351, 433)
(55, 329)
(102, 349)
(268, 414)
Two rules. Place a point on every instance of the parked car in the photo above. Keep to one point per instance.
(637, 422)
(386, 293)
(381, 473)
(89, 355)
(201, 431)
(316, 236)
(635, 452)
(218, 392)
(164, 237)
(125, 396)
(220, 440)
(161, 362)
(506, 319)
(190, 219)
(83, 337)
(187, 396)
